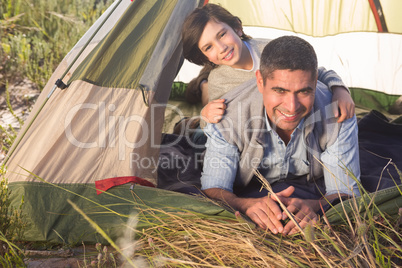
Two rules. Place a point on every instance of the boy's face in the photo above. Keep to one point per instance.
(288, 97)
(221, 44)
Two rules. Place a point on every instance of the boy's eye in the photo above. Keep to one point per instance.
(222, 34)
(208, 48)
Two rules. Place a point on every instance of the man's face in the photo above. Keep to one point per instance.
(288, 97)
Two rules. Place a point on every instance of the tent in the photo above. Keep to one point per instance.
(98, 123)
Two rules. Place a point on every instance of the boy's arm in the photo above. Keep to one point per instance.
(341, 94)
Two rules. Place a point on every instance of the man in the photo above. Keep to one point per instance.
(287, 132)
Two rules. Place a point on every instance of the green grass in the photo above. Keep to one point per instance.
(12, 225)
(36, 34)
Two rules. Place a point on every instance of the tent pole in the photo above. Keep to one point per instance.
(378, 13)
(59, 84)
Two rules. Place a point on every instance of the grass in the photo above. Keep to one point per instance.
(36, 35)
(12, 225)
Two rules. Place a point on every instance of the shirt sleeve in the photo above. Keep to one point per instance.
(330, 78)
(341, 161)
(220, 161)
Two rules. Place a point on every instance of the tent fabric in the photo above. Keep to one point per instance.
(385, 202)
(58, 222)
(315, 18)
(119, 59)
(86, 129)
(89, 127)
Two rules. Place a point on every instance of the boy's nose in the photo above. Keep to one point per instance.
(222, 47)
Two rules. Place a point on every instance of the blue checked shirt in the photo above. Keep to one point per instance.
(285, 162)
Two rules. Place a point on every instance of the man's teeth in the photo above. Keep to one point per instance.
(288, 115)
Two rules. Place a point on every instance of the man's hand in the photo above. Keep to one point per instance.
(304, 211)
(346, 106)
(213, 111)
(266, 212)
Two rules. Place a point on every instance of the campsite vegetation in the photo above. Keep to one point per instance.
(11, 227)
(35, 35)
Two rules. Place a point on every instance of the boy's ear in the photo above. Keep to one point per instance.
(260, 81)
(239, 28)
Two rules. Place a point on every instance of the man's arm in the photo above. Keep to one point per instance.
(341, 161)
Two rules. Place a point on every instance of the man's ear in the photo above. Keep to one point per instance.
(316, 78)
(260, 81)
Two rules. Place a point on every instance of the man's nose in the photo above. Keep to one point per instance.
(292, 103)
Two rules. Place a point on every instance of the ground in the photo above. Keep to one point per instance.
(22, 96)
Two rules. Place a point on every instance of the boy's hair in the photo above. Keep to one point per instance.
(288, 53)
(194, 25)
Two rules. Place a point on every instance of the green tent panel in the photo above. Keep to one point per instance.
(120, 59)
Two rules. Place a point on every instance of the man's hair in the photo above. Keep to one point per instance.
(288, 53)
(194, 25)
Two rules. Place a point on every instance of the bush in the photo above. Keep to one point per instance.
(36, 35)
(11, 227)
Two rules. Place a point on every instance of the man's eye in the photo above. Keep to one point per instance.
(305, 92)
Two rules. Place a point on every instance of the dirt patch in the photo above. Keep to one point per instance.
(82, 256)
(22, 96)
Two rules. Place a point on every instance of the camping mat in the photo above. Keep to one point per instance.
(386, 203)
(51, 218)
